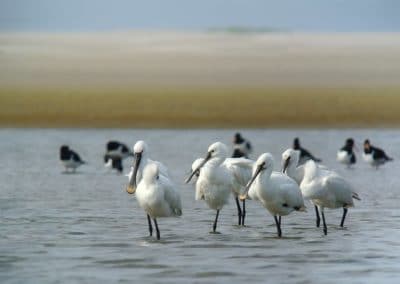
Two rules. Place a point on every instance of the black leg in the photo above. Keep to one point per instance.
(317, 215)
(157, 230)
(243, 211)
(215, 222)
(280, 219)
(278, 226)
(343, 217)
(323, 222)
(150, 226)
(239, 211)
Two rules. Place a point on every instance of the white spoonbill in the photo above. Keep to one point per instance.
(240, 169)
(277, 192)
(140, 154)
(157, 195)
(326, 189)
(141, 159)
(195, 167)
(214, 183)
(290, 160)
(291, 167)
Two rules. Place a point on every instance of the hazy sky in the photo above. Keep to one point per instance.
(297, 15)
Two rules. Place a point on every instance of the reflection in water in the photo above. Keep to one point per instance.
(85, 228)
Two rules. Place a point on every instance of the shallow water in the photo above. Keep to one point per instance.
(84, 227)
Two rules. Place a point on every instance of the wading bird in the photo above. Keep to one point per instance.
(140, 154)
(374, 155)
(326, 189)
(157, 195)
(116, 152)
(70, 159)
(346, 154)
(214, 183)
(277, 192)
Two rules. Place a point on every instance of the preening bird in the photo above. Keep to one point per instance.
(326, 189)
(70, 159)
(141, 160)
(277, 192)
(214, 183)
(158, 196)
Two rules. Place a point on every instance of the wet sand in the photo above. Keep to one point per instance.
(182, 80)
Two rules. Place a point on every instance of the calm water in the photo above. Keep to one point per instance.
(85, 228)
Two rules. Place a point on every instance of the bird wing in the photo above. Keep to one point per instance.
(172, 196)
(240, 168)
(161, 167)
(339, 188)
(75, 156)
(299, 174)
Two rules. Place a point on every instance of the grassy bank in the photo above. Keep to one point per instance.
(200, 107)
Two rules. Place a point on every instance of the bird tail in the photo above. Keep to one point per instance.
(355, 196)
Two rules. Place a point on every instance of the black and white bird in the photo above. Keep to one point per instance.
(346, 154)
(70, 159)
(305, 155)
(116, 152)
(241, 147)
(374, 155)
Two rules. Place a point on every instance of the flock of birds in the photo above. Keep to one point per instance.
(217, 176)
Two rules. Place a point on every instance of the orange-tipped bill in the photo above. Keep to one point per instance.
(130, 189)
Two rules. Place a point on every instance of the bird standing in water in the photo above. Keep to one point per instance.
(158, 196)
(277, 192)
(346, 154)
(374, 155)
(70, 159)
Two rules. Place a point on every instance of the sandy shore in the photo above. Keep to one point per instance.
(171, 79)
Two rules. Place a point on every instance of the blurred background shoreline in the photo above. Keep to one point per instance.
(170, 79)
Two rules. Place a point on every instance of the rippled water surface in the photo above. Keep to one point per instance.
(84, 227)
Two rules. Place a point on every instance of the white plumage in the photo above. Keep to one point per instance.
(141, 159)
(326, 189)
(343, 157)
(215, 182)
(278, 193)
(158, 197)
(240, 171)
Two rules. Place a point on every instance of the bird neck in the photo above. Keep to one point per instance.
(310, 170)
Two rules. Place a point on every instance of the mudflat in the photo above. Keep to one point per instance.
(199, 79)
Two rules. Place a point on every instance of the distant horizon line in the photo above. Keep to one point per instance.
(227, 30)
